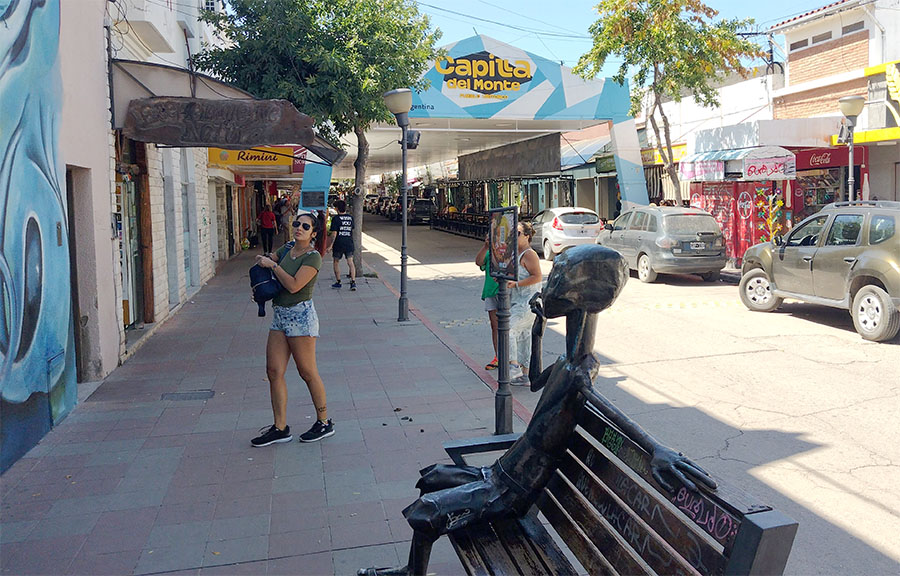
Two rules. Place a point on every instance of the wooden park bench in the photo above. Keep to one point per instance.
(576, 470)
(615, 519)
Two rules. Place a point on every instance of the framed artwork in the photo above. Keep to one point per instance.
(504, 224)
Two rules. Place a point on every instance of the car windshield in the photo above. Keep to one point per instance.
(579, 218)
(691, 224)
(423, 203)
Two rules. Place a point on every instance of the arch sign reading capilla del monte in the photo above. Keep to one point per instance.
(484, 94)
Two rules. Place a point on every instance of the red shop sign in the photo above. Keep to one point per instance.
(829, 157)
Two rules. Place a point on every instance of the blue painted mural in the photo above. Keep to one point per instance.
(37, 351)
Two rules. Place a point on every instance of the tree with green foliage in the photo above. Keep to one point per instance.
(333, 59)
(671, 48)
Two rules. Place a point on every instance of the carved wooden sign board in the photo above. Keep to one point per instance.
(233, 124)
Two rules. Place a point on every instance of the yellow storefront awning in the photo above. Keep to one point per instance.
(871, 136)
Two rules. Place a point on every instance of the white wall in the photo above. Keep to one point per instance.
(884, 171)
(739, 101)
(86, 143)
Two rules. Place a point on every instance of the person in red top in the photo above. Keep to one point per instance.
(268, 227)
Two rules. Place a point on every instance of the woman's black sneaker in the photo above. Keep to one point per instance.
(318, 431)
(272, 435)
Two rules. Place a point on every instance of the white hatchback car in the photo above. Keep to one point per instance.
(556, 229)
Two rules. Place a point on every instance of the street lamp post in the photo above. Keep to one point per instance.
(399, 102)
(851, 107)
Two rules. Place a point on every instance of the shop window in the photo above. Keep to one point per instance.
(799, 44)
(845, 230)
(821, 37)
(851, 28)
(881, 228)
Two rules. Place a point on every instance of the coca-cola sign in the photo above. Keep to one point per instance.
(819, 158)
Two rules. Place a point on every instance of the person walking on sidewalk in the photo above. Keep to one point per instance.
(521, 317)
(294, 330)
(340, 242)
(285, 215)
(489, 295)
(268, 227)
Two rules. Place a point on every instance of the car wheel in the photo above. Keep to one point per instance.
(645, 271)
(548, 251)
(756, 292)
(874, 315)
(711, 276)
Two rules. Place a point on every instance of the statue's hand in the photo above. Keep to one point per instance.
(536, 305)
(665, 460)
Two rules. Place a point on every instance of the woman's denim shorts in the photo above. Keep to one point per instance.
(297, 320)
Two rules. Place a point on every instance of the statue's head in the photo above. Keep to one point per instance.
(587, 277)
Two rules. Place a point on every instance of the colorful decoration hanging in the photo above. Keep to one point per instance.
(769, 208)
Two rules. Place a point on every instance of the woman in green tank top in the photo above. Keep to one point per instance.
(295, 327)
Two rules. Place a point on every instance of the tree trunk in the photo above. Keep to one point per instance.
(359, 194)
(669, 157)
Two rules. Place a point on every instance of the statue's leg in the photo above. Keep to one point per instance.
(442, 476)
(419, 553)
(417, 565)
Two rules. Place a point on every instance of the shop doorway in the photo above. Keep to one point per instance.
(128, 215)
(73, 190)
(229, 211)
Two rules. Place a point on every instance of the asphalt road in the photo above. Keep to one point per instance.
(792, 406)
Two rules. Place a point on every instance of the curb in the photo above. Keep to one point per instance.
(518, 408)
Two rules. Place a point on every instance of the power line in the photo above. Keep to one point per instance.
(512, 26)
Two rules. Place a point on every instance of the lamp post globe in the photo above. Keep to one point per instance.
(399, 102)
(851, 107)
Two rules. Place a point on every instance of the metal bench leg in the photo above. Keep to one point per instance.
(419, 554)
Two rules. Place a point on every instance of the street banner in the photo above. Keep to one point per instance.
(481, 77)
(314, 188)
(504, 243)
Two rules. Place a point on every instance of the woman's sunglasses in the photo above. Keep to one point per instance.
(298, 224)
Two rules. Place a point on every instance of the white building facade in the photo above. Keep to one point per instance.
(143, 218)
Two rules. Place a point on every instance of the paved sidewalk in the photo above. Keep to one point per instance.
(132, 483)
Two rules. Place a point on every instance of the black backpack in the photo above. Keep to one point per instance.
(265, 285)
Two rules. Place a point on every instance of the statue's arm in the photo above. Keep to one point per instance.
(663, 458)
(536, 373)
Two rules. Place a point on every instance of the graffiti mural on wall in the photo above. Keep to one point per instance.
(37, 361)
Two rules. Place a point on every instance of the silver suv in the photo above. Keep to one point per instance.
(666, 239)
(846, 256)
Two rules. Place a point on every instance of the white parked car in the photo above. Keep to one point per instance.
(556, 229)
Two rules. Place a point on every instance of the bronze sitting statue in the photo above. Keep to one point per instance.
(584, 281)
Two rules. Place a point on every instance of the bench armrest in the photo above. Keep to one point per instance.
(457, 449)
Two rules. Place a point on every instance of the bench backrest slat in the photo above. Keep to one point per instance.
(639, 537)
(635, 500)
(602, 536)
(718, 517)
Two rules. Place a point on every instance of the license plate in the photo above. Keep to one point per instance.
(698, 245)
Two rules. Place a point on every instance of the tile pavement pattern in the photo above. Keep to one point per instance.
(133, 484)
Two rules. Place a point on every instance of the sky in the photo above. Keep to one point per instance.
(558, 29)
